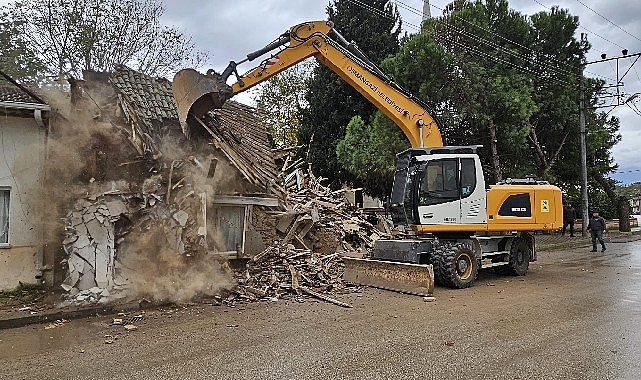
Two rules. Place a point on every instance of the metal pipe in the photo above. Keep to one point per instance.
(284, 38)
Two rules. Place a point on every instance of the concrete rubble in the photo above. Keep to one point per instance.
(98, 226)
(313, 227)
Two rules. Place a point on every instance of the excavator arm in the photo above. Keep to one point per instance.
(197, 94)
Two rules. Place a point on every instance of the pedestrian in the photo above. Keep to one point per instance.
(597, 227)
(569, 214)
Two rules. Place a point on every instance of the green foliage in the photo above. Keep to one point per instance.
(280, 101)
(368, 152)
(483, 64)
(74, 35)
(630, 191)
(16, 58)
(22, 290)
(332, 102)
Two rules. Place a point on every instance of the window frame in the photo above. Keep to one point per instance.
(7, 243)
(424, 186)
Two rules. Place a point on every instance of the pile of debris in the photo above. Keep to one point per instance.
(152, 201)
(98, 230)
(317, 228)
(90, 247)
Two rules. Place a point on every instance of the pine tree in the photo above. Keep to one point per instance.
(374, 26)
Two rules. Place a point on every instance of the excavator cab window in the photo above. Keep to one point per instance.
(440, 183)
(468, 177)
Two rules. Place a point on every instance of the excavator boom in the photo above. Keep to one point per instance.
(196, 93)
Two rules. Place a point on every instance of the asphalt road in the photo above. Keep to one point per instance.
(576, 315)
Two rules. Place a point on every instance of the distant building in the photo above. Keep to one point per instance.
(427, 13)
(23, 134)
(635, 204)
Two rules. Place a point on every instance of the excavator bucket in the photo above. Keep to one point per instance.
(400, 277)
(197, 94)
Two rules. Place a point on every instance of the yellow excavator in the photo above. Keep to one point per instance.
(453, 224)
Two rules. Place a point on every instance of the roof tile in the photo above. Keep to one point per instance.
(153, 99)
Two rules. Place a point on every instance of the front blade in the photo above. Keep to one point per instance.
(400, 277)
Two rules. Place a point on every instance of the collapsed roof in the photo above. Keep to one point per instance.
(148, 104)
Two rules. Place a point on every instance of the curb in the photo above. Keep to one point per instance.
(77, 313)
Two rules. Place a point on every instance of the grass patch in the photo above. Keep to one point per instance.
(23, 290)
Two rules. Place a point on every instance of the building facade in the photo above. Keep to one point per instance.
(23, 134)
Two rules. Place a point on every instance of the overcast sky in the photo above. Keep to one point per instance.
(228, 30)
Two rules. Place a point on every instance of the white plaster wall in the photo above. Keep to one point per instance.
(22, 153)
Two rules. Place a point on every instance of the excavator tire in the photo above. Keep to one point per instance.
(455, 264)
(519, 261)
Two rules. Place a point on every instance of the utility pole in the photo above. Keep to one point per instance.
(427, 13)
(584, 167)
(584, 163)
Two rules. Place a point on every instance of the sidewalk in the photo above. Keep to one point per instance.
(554, 241)
(47, 313)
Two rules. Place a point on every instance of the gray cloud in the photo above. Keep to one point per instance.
(229, 30)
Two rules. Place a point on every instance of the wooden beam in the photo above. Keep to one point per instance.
(243, 201)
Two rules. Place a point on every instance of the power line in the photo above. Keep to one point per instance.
(634, 109)
(549, 65)
(556, 68)
(584, 28)
(552, 69)
(603, 17)
(464, 32)
(525, 47)
(628, 171)
(635, 70)
(380, 13)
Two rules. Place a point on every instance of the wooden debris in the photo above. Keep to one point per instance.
(324, 297)
(315, 226)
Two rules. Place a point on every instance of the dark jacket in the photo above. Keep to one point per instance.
(569, 214)
(596, 224)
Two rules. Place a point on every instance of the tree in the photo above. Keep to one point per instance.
(280, 101)
(556, 57)
(509, 82)
(332, 102)
(368, 152)
(16, 58)
(462, 66)
(75, 35)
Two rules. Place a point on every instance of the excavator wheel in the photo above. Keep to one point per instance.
(519, 261)
(455, 264)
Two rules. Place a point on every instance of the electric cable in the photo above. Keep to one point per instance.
(606, 19)
(465, 33)
(584, 28)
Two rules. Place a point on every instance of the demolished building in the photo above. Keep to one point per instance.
(140, 172)
(149, 212)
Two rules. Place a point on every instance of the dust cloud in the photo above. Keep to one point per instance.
(87, 149)
(156, 271)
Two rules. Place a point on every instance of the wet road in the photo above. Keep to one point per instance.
(576, 315)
